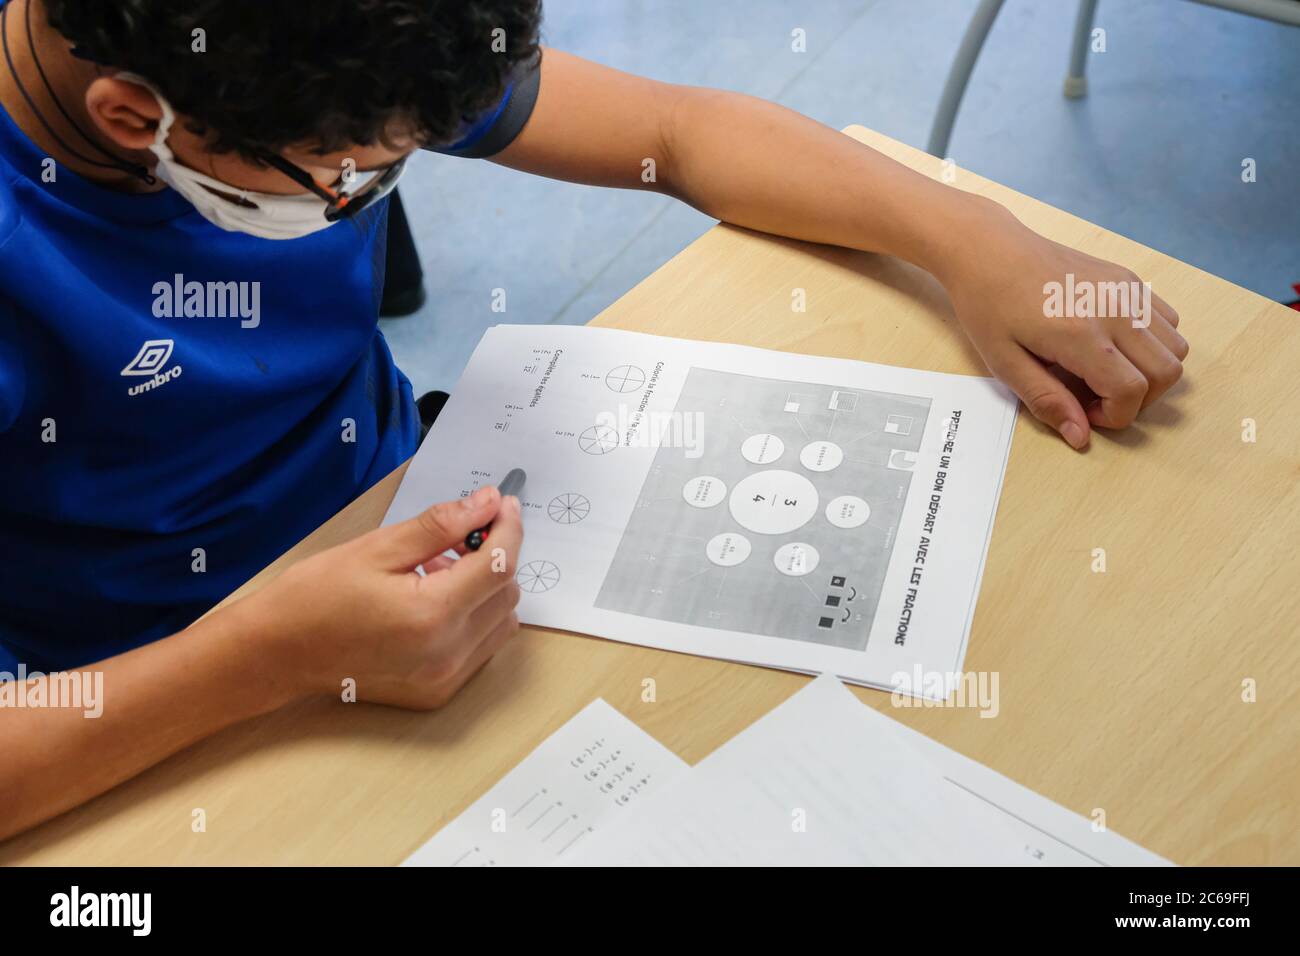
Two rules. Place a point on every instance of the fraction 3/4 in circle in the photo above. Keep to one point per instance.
(625, 378)
(537, 576)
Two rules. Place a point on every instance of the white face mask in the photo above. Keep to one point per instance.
(265, 215)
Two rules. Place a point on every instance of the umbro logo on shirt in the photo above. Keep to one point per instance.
(151, 360)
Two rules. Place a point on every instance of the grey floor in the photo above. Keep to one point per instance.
(1181, 96)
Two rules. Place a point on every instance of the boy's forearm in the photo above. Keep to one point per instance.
(764, 167)
(155, 701)
(759, 165)
(746, 162)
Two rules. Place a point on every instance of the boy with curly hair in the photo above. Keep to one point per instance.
(192, 215)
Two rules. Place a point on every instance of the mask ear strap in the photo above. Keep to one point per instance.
(140, 172)
(168, 114)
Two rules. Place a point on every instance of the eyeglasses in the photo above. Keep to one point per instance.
(342, 204)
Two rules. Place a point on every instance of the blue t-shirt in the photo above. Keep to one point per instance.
(179, 405)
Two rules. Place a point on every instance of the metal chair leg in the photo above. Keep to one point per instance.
(959, 75)
(1076, 82)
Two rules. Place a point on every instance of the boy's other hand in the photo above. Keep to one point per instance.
(360, 611)
(1122, 363)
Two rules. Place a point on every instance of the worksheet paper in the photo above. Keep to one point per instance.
(824, 780)
(597, 767)
(815, 514)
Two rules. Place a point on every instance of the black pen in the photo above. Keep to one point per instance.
(511, 484)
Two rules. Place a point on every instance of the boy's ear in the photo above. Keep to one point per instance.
(125, 112)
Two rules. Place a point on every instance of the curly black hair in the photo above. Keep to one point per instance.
(330, 73)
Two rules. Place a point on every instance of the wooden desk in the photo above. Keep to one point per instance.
(1120, 690)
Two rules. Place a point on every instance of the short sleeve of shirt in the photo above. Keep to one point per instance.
(497, 128)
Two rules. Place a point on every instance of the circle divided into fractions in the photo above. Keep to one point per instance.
(537, 576)
(568, 508)
(625, 378)
(598, 440)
